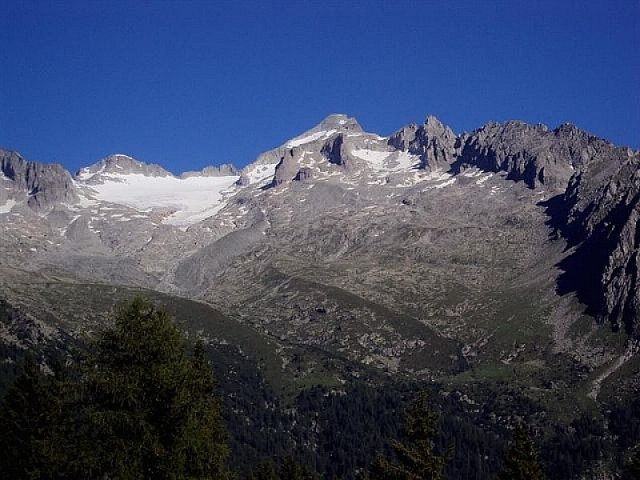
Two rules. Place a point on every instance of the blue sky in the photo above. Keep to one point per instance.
(186, 84)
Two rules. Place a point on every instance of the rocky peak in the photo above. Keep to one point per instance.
(531, 153)
(340, 122)
(332, 125)
(45, 184)
(403, 138)
(435, 128)
(119, 164)
(437, 143)
(569, 130)
(434, 142)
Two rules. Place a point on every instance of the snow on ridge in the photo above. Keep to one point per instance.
(295, 142)
(85, 174)
(193, 199)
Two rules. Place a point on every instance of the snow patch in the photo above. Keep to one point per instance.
(192, 199)
(472, 172)
(387, 161)
(6, 208)
(481, 180)
(85, 174)
(261, 173)
(451, 181)
(444, 180)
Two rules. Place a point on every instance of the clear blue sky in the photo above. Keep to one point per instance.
(186, 84)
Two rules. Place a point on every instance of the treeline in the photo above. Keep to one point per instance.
(140, 402)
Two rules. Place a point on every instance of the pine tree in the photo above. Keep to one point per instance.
(265, 470)
(23, 423)
(33, 441)
(521, 461)
(152, 413)
(415, 457)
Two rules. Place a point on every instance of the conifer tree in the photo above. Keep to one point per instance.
(138, 407)
(521, 461)
(24, 423)
(415, 456)
(265, 470)
(34, 425)
(152, 411)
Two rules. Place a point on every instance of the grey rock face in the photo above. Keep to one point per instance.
(405, 137)
(304, 174)
(243, 181)
(597, 207)
(437, 143)
(516, 148)
(224, 170)
(334, 151)
(603, 220)
(269, 158)
(434, 142)
(287, 168)
(45, 184)
(532, 153)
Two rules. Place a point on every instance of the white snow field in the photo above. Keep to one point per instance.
(193, 198)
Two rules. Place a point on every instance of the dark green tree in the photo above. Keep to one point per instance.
(521, 461)
(152, 410)
(265, 470)
(415, 456)
(292, 470)
(27, 423)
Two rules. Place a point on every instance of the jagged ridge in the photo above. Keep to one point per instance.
(596, 183)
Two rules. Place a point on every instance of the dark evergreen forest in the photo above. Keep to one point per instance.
(141, 400)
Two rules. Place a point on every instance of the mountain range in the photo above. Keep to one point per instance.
(510, 252)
